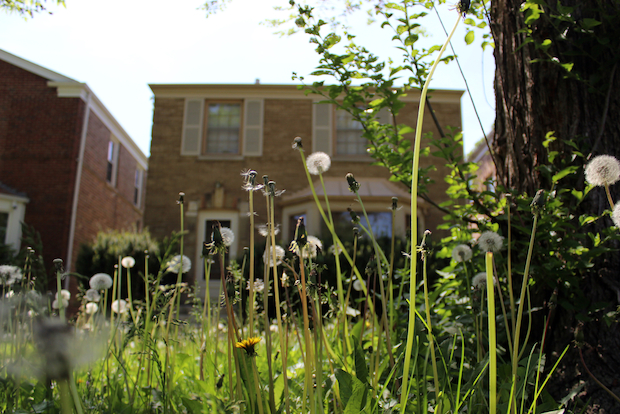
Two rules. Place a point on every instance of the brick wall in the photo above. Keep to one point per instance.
(102, 206)
(284, 119)
(39, 143)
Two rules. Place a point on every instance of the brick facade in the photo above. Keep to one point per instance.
(41, 128)
(212, 185)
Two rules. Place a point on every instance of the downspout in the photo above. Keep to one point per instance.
(76, 190)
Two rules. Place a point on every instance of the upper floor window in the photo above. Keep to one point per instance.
(222, 135)
(223, 128)
(111, 162)
(349, 139)
(137, 191)
(337, 133)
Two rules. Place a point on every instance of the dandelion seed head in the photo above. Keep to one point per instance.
(64, 293)
(603, 170)
(119, 306)
(10, 274)
(357, 285)
(177, 264)
(318, 163)
(480, 281)
(56, 304)
(268, 256)
(461, 253)
(128, 262)
(92, 295)
(228, 236)
(100, 281)
(489, 241)
(91, 308)
(615, 215)
(263, 229)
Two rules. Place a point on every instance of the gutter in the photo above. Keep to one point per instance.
(76, 190)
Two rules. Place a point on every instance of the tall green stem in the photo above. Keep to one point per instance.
(414, 224)
(492, 335)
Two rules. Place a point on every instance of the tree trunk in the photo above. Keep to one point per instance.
(583, 106)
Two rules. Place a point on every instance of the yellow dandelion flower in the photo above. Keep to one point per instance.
(248, 345)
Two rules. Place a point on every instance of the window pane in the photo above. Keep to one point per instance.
(223, 127)
(349, 140)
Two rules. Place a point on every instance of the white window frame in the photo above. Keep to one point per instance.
(113, 161)
(15, 206)
(137, 185)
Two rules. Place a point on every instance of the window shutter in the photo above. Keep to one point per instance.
(322, 128)
(192, 127)
(253, 128)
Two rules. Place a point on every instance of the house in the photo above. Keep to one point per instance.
(67, 167)
(204, 136)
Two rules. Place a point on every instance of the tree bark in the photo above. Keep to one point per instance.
(583, 106)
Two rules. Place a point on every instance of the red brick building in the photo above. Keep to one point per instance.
(66, 165)
(205, 135)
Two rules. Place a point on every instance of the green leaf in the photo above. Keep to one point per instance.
(361, 370)
(469, 37)
(589, 23)
(566, 171)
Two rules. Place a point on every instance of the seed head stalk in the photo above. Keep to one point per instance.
(272, 399)
(276, 289)
(251, 299)
(492, 335)
(414, 225)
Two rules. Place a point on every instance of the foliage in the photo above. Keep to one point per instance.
(109, 247)
(26, 8)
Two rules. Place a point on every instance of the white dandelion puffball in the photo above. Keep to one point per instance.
(318, 163)
(268, 256)
(174, 265)
(92, 295)
(489, 241)
(119, 306)
(357, 285)
(65, 294)
(479, 281)
(334, 249)
(228, 236)
(56, 304)
(603, 170)
(10, 274)
(100, 281)
(311, 249)
(91, 308)
(615, 215)
(461, 253)
(128, 262)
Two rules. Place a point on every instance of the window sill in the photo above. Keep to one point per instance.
(220, 157)
(352, 158)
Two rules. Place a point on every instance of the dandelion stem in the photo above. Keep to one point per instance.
(414, 226)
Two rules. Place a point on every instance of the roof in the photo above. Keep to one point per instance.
(34, 68)
(6, 190)
(370, 188)
(274, 91)
(70, 88)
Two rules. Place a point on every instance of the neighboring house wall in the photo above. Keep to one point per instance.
(46, 153)
(39, 142)
(212, 183)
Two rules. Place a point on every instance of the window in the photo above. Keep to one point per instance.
(380, 222)
(349, 139)
(111, 162)
(137, 191)
(222, 134)
(223, 128)
(4, 223)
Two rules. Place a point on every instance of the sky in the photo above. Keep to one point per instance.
(118, 47)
